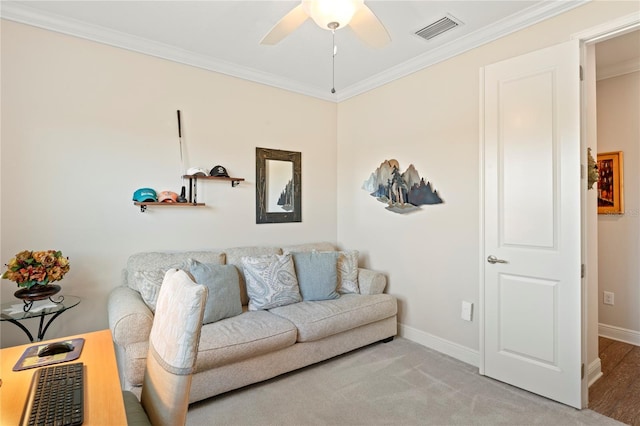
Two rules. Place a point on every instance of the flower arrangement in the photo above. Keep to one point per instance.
(31, 268)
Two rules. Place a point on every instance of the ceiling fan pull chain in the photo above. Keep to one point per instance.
(333, 63)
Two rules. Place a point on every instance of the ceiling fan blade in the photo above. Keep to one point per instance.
(368, 28)
(285, 26)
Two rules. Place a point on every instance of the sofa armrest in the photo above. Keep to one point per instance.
(130, 319)
(371, 282)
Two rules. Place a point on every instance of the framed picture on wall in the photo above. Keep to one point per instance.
(610, 183)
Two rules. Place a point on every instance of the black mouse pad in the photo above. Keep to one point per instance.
(30, 358)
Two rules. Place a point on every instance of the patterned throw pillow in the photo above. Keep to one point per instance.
(271, 281)
(148, 283)
(348, 272)
(223, 283)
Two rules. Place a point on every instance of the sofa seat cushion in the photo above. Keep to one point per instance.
(318, 319)
(244, 336)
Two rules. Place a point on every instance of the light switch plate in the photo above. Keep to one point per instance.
(467, 311)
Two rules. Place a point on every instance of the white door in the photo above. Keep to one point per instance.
(532, 294)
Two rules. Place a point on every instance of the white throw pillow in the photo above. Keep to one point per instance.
(174, 341)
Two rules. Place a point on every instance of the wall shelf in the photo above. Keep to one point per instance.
(143, 205)
(234, 180)
(193, 180)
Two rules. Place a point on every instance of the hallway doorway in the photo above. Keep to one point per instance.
(617, 392)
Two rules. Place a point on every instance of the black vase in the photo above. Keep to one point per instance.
(37, 292)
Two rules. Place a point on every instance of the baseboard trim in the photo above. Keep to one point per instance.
(618, 333)
(439, 344)
(594, 371)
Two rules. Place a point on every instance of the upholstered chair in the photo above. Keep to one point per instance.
(173, 347)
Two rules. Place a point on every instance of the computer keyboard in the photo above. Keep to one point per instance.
(56, 396)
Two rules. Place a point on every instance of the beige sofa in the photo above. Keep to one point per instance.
(255, 345)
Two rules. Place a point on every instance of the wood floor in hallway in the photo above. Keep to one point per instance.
(617, 393)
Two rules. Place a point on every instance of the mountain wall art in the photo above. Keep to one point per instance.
(402, 192)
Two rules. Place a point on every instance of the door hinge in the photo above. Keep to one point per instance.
(582, 372)
(582, 171)
(581, 73)
(582, 270)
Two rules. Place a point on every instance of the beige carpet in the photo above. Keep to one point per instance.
(396, 383)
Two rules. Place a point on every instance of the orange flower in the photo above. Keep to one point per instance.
(63, 262)
(29, 268)
(38, 273)
(13, 263)
(45, 258)
(55, 273)
(23, 256)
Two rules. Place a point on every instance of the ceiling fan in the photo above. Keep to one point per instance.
(332, 15)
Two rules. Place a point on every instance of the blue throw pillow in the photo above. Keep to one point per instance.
(223, 283)
(317, 274)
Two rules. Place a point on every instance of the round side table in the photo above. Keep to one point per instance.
(14, 313)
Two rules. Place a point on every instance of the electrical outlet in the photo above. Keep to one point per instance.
(608, 298)
(467, 311)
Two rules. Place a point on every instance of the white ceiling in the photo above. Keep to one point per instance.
(224, 36)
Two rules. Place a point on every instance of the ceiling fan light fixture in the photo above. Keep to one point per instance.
(332, 14)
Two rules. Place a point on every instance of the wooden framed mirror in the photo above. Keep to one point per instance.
(278, 186)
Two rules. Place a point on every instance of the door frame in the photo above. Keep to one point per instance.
(589, 36)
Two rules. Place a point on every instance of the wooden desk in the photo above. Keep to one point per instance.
(103, 403)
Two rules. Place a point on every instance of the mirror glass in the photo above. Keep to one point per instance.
(279, 183)
(278, 191)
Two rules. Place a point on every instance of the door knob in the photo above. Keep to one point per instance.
(492, 259)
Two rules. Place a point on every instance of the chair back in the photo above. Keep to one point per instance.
(173, 347)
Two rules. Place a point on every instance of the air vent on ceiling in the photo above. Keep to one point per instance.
(441, 25)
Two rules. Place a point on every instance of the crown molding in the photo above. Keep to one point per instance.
(19, 12)
(506, 26)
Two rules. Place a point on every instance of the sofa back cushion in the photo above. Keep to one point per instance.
(142, 267)
(139, 265)
(323, 246)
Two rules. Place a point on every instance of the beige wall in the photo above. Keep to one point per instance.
(431, 119)
(84, 125)
(619, 235)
